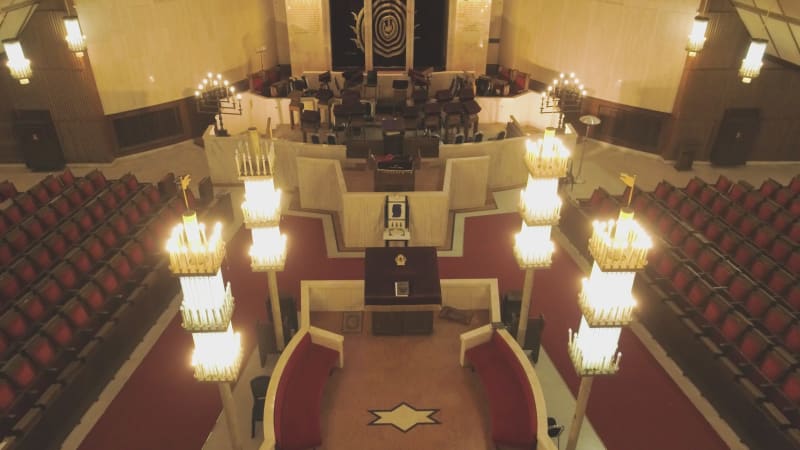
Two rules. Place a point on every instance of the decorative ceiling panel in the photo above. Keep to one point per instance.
(14, 15)
(776, 20)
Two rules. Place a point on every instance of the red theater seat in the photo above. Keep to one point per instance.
(745, 254)
(40, 194)
(66, 276)
(97, 178)
(10, 287)
(70, 231)
(53, 185)
(714, 229)
(33, 228)
(777, 320)
(74, 196)
(48, 216)
(62, 206)
(663, 189)
(109, 200)
(692, 246)
(25, 270)
(719, 205)
(708, 259)
(96, 209)
(56, 243)
(26, 203)
(15, 325)
(33, 307)
(13, 215)
(49, 290)
(762, 267)
(723, 184)
(694, 186)
(41, 257)
(7, 190)
(67, 178)
(87, 188)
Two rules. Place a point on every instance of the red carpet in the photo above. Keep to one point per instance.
(162, 407)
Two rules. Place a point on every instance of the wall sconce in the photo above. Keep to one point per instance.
(76, 41)
(751, 64)
(19, 66)
(697, 37)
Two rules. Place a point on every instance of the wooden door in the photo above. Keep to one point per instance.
(736, 137)
(38, 140)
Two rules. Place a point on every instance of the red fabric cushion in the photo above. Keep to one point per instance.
(153, 194)
(74, 196)
(25, 271)
(752, 346)
(792, 339)
(77, 314)
(776, 320)
(6, 255)
(67, 178)
(31, 305)
(47, 216)
(13, 214)
(40, 194)
(15, 325)
(9, 286)
(97, 178)
(42, 258)
(772, 367)
(7, 190)
(41, 351)
(108, 281)
(7, 396)
(52, 185)
(62, 206)
(299, 398)
(26, 203)
(56, 243)
(50, 291)
(60, 331)
(66, 276)
(791, 387)
(510, 398)
(33, 227)
(23, 373)
(93, 297)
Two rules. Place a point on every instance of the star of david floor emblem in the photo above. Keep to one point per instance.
(404, 417)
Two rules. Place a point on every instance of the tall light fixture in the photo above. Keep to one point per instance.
(697, 38)
(207, 306)
(620, 250)
(540, 208)
(76, 41)
(215, 95)
(751, 64)
(18, 64)
(563, 96)
(262, 214)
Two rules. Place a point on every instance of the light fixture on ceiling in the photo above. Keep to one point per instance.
(697, 37)
(751, 64)
(18, 64)
(76, 41)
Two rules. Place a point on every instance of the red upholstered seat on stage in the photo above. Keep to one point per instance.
(511, 404)
(298, 400)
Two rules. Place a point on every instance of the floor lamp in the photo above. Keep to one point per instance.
(540, 208)
(589, 121)
(619, 249)
(262, 214)
(207, 307)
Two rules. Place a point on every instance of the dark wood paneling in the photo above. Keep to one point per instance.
(629, 126)
(710, 85)
(63, 84)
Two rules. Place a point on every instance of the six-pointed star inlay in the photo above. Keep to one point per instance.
(403, 417)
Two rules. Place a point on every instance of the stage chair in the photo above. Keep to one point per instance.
(258, 388)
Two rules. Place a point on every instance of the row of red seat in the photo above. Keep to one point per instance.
(749, 208)
(728, 267)
(71, 281)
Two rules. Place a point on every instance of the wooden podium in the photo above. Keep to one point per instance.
(401, 297)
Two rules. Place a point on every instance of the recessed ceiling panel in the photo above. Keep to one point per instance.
(782, 39)
(14, 15)
(781, 18)
(790, 8)
(768, 5)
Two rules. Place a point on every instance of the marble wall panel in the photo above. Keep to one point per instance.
(320, 183)
(467, 179)
(148, 53)
(362, 219)
(468, 34)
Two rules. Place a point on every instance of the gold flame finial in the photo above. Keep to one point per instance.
(185, 180)
(629, 181)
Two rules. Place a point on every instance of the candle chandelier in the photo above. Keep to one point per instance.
(262, 214)
(214, 95)
(563, 96)
(207, 306)
(619, 249)
(18, 64)
(540, 208)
